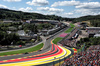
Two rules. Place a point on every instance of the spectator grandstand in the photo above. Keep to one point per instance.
(93, 30)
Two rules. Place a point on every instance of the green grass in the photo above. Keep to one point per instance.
(72, 25)
(57, 40)
(69, 30)
(38, 47)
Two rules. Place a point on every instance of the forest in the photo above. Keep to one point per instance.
(19, 15)
(88, 41)
(94, 20)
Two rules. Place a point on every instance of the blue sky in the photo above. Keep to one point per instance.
(64, 8)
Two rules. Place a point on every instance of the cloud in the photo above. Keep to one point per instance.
(27, 9)
(78, 4)
(69, 14)
(55, 10)
(89, 5)
(88, 8)
(12, 0)
(38, 2)
(88, 11)
(66, 3)
(43, 8)
(82, 8)
(3, 6)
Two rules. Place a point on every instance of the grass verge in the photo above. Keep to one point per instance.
(69, 30)
(38, 47)
(72, 25)
(56, 40)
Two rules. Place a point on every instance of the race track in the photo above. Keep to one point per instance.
(50, 54)
(53, 55)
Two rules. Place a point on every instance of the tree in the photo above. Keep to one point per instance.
(33, 28)
(9, 38)
(20, 43)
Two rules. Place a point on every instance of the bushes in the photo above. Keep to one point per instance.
(20, 43)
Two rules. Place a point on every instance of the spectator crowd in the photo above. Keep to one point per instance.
(90, 57)
(69, 43)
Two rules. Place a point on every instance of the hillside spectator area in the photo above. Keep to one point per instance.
(91, 57)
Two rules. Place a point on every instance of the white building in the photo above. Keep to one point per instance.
(97, 35)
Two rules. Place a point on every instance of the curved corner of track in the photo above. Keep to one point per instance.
(55, 54)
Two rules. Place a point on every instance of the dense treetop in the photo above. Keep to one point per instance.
(18, 15)
(94, 20)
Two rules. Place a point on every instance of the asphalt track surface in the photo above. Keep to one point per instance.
(46, 48)
(45, 56)
(57, 51)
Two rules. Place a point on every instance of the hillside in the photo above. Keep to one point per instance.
(17, 15)
(94, 20)
(87, 18)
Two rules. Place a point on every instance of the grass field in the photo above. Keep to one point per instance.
(57, 40)
(72, 25)
(69, 30)
(38, 47)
